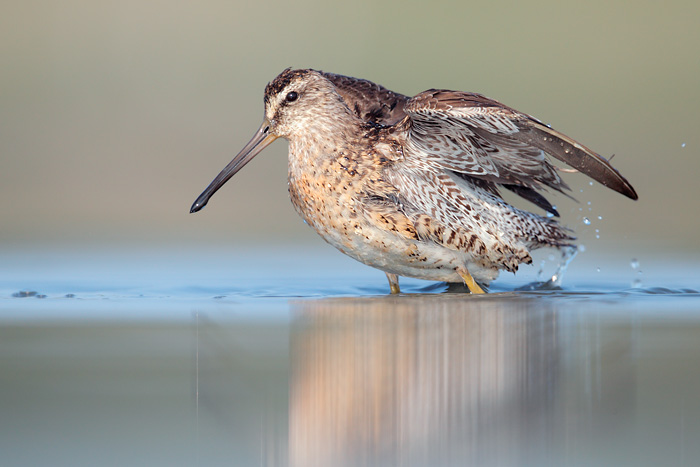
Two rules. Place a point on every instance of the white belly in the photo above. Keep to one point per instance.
(395, 254)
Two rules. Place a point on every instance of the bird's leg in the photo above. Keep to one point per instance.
(393, 282)
(469, 281)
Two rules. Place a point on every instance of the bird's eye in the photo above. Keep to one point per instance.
(292, 96)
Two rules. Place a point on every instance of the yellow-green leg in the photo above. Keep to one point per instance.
(469, 281)
(393, 282)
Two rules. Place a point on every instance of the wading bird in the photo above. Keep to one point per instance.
(411, 185)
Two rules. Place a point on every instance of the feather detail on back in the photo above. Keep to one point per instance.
(476, 136)
(371, 102)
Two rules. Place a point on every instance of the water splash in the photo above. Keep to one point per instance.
(586, 221)
(637, 281)
(567, 255)
(540, 271)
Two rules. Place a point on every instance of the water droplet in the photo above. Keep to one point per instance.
(683, 145)
(597, 236)
(588, 203)
(634, 263)
(636, 284)
(590, 183)
(586, 221)
(597, 231)
(581, 248)
(597, 269)
(600, 218)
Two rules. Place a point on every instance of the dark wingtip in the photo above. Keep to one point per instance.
(615, 182)
(577, 156)
(631, 193)
(534, 197)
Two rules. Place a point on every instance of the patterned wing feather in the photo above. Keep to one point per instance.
(471, 134)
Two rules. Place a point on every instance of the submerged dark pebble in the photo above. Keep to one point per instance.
(24, 293)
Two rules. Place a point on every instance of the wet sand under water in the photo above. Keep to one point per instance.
(133, 358)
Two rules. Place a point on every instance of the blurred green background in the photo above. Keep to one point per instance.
(114, 116)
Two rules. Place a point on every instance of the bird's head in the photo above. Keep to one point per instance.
(293, 101)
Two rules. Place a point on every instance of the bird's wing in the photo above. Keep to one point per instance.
(371, 102)
(478, 137)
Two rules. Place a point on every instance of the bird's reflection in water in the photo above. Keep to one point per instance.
(439, 380)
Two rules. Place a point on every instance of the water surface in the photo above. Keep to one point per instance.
(289, 358)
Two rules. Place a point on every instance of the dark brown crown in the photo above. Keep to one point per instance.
(282, 81)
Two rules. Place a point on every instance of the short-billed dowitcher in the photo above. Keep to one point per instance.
(410, 185)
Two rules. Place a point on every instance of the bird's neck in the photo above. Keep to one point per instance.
(335, 129)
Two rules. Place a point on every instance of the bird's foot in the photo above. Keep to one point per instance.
(393, 282)
(469, 281)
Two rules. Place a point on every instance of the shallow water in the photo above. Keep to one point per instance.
(171, 357)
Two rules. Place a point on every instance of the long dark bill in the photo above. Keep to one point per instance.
(260, 141)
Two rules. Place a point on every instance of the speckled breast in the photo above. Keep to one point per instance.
(329, 194)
